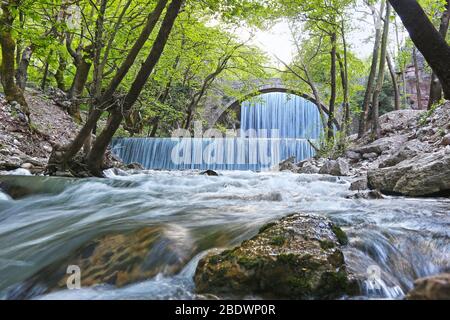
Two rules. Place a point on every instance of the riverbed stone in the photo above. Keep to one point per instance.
(359, 183)
(431, 288)
(210, 173)
(288, 165)
(422, 175)
(308, 168)
(298, 257)
(119, 258)
(337, 167)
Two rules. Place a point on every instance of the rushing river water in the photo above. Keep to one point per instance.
(404, 238)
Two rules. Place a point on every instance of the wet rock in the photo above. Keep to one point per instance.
(23, 185)
(366, 194)
(298, 257)
(118, 259)
(360, 183)
(337, 167)
(288, 165)
(431, 288)
(423, 175)
(115, 172)
(308, 168)
(135, 166)
(210, 173)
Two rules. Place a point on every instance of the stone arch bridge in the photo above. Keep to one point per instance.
(215, 110)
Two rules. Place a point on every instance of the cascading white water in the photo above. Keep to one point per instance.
(274, 127)
(293, 116)
(404, 238)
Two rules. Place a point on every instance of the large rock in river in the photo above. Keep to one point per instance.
(118, 259)
(337, 167)
(298, 257)
(431, 288)
(424, 175)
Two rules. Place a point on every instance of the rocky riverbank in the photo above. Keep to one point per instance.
(24, 146)
(411, 158)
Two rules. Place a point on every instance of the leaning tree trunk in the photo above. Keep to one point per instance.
(435, 85)
(372, 75)
(380, 79)
(427, 39)
(96, 155)
(81, 76)
(106, 98)
(7, 71)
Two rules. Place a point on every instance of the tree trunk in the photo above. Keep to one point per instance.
(380, 79)
(427, 39)
(97, 51)
(418, 80)
(81, 74)
(22, 70)
(435, 85)
(333, 88)
(187, 123)
(59, 74)
(107, 96)
(155, 123)
(79, 82)
(152, 20)
(96, 155)
(397, 102)
(98, 67)
(45, 75)
(373, 73)
(344, 82)
(316, 94)
(403, 67)
(8, 46)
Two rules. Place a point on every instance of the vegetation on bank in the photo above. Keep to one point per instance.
(150, 66)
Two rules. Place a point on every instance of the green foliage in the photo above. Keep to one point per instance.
(423, 120)
(205, 56)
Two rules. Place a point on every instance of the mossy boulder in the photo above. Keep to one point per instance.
(298, 257)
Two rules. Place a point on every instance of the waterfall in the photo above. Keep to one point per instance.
(274, 127)
(293, 116)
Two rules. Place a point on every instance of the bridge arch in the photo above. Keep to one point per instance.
(236, 103)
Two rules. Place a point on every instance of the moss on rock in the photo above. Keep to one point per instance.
(298, 257)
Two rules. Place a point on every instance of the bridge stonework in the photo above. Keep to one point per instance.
(215, 108)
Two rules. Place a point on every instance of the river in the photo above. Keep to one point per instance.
(404, 238)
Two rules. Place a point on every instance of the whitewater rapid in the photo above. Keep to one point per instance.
(404, 238)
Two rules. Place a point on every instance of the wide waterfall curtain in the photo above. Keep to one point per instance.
(274, 127)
